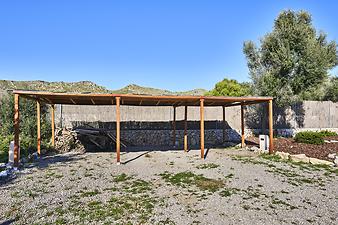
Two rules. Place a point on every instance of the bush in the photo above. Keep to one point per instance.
(327, 133)
(28, 132)
(4, 147)
(309, 137)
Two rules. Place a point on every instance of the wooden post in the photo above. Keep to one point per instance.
(118, 130)
(174, 127)
(185, 128)
(223, 123)
(53, 124)
(242, 126)
(202, 126)
(271, 150)
(16, 130)
(38, 126)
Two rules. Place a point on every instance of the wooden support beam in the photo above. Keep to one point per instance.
(224, 124)
(242, 127)
(53, 124)
(141, 102)
(16, 130)
(118, 147)
(93, 102)
(174, 127)
(38, 118)
(271, 147)
(185, 128)
(158, 102)
(202, 126)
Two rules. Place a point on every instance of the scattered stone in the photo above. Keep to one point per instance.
(252, 148)
(320, 162)
(332, 156)
(283, 155)
(239, 145)
(336, 162)
(300, 158)
(4, 173)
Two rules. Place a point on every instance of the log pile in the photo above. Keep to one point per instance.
(67, 140)
(82, 139)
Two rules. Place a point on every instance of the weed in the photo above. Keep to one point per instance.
(184, 179)
(207, 166)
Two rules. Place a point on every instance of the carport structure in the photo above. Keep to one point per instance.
(52, 98)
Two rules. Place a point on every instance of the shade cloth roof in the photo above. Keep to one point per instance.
(136, 100)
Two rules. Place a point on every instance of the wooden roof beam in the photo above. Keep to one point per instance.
(72, 101)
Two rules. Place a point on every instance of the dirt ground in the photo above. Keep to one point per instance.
(170, 187)
(290, 146)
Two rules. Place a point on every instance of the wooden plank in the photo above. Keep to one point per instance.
(174, 127)
(242, 127)
(38, 117)
(53, 124)
(118, 147)
(224, 124)
(16, 130)
(202, 126)
(185, 128)
(271, 147)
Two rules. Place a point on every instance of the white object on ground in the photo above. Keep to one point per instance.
(264, 142)
(11, 152)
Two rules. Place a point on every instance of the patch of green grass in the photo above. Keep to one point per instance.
(276, 201)
(122, 177)
(227, 192)
(89, 193)
(207, 166)
(138, 186)
(185, 179)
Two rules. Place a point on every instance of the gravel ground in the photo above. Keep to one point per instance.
(170, 187)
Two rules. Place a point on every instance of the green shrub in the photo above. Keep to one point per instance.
(28, 130)
(309, 137)
(4, 147)
(327, 133)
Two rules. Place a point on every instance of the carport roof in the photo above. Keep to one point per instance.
(135, 100)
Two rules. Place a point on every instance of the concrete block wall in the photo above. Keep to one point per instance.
(143, 125)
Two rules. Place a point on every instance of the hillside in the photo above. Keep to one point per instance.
(139, 90)
(87, 86)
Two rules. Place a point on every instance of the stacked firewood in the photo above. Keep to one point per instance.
(67, 140)
(81, 139)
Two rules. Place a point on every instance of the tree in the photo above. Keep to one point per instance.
(331, 93)
(228, 87)
(292, 59)
(28, 133)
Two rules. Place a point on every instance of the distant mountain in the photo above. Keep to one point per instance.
(87, 86)
(139, 90)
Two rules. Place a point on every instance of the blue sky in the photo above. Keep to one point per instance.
(176, 45)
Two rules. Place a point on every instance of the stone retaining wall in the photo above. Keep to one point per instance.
(153, 125)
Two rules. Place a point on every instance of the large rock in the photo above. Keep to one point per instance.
(283, 155)
(332, 156)
(300, 158)
(320, 162)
